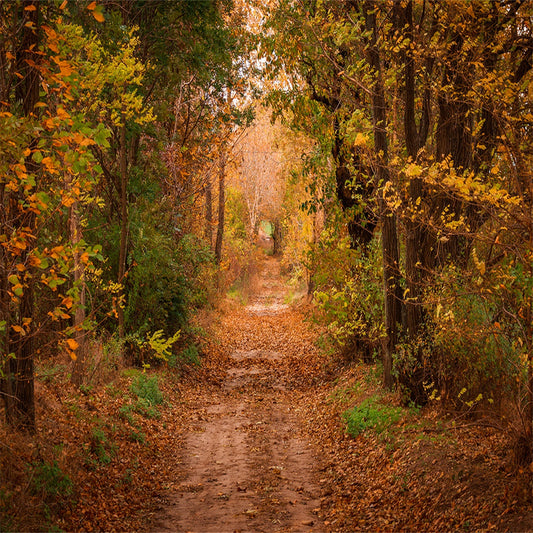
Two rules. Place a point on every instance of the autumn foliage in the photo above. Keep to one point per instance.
(381, 150)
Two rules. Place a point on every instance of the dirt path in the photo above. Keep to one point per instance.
(245, 464)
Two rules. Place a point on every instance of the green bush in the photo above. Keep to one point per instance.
(469, 349)
(50, 480)
(349, 293)
(102, 447)
(147, 389)
(166, 275)
(370, 414)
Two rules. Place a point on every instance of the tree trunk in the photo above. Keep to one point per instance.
(123, 223)
(389, 236)
(221, 208)
(415, 260)
(78, 370)
(208, 231)
(277, 237)
(19, 384)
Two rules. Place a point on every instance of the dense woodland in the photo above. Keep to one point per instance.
(387, 144)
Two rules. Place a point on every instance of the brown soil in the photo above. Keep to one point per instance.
(246, 465)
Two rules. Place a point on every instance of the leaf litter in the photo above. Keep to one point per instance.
(255, 440)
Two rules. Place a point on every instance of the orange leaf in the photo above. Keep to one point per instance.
(19, 329)
(98, 16)
(31, 7)
(91, 6)
(67, 201)
(72, 344)
(63, 5)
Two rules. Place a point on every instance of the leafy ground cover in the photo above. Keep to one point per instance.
(118, 456)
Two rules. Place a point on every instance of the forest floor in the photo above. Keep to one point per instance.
(254, 439)
(247, 465)
(268, 449)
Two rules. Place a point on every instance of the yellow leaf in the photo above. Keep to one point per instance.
(56, 250)
(66, 69)
(413, 170)
(72, 344)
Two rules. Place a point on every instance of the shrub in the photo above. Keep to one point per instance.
(147, 389)
(50, 480)
(349, 294)
(102, 447)
(469, 346)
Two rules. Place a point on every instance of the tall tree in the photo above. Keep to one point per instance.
(389, 234)
(19, 393)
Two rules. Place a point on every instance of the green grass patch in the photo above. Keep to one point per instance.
(131, 372)
(371, 415)
(138, 436)
(47, 374)
(191, 355)
(144, 408)
(101, 450)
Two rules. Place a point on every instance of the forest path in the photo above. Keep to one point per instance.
(245, 463)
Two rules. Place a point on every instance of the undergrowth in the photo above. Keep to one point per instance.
(49, 480)
(147, 389)
(370, 414)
